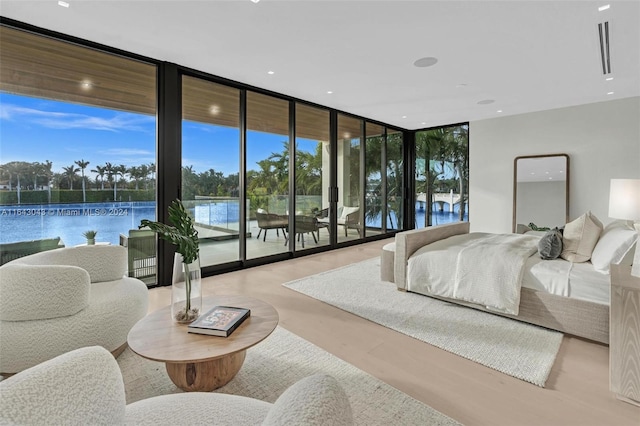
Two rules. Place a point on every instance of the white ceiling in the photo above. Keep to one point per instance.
(542, 169)
(526, 55)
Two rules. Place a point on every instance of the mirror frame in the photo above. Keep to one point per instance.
(515, 184)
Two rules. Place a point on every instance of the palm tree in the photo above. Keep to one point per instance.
(152, 171)
(280, 163)
(263, 178)
(137, 173)
(460, 159)
(16, 168)
(109, 170)
(35, 171)
(431, 146)
(309, 172)
(117, 171)
(70, 172)
(83, 165)
(100, 172)
(9, 169)
(144, 174)
(48, 174)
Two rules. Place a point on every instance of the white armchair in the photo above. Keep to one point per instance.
(85, 387)
(59, 300)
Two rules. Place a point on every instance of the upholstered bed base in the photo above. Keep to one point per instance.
(572, 316)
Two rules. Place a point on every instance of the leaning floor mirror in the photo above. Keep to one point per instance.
(540, 191)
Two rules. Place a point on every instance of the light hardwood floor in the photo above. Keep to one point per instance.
(577, 391)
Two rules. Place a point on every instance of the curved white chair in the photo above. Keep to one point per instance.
(90, 379)
(59, 300)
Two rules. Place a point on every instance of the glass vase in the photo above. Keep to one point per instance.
(186, 290)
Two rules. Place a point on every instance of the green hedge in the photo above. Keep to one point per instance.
(66, 196)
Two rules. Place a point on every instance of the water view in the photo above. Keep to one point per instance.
(69, 221)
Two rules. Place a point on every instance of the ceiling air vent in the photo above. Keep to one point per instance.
(603, 30)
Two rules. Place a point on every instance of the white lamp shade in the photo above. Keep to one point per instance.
(624, 199)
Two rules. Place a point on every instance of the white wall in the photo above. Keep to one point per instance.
(601, 139)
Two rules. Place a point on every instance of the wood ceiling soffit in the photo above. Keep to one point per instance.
(41, 67)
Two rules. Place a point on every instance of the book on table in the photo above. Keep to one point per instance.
(219, 321)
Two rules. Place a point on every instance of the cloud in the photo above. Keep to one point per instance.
(120, 121)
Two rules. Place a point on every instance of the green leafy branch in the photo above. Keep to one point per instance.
(183, 234)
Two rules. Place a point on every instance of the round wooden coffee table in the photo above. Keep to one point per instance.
(197, 362)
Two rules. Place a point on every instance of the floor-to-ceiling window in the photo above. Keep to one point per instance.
(350, 212)
(98, 109)
(383, 178)
(211, 166)
(78, 137)
(375, 206)
(267, 176)
(312, 177)
(442, 175)
(395, 180)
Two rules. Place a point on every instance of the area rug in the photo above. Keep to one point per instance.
(521, 350)
(278, 362)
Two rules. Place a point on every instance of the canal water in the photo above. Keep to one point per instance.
(69, 221)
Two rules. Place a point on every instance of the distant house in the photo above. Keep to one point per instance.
(4, 184)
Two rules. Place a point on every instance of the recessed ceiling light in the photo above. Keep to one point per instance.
(605, 7)
(215, 109)
(499, 110)
(86, 84)
(255, 1)
(329, 92)
(609, 93)
(347, 135)
(550, 178)
(404, 116)
(423, 123)
(486, 102)
(270, 72)
(63, 4)
(425, 62)
(609, 78)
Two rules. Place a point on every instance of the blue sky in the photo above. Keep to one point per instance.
(33, 129)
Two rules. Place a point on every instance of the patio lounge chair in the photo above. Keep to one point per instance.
(11, 251)
(305, 225)
(348, 218)
(268, 221)
(141, 248)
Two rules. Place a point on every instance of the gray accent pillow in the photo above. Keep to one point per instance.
(550, 245)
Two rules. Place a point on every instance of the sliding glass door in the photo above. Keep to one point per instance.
(395, 180)
(267, 175)
(211, 166)
(350, 212)
(312, 177)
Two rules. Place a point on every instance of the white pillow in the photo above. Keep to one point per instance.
(580, 237)
(613, 244)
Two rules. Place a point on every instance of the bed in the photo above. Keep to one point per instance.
(579, 307)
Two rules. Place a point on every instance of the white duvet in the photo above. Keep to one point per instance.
(481, 268)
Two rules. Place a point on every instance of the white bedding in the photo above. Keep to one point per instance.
(481, 268)
(558, 276)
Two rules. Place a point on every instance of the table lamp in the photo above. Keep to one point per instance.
(624, 203)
